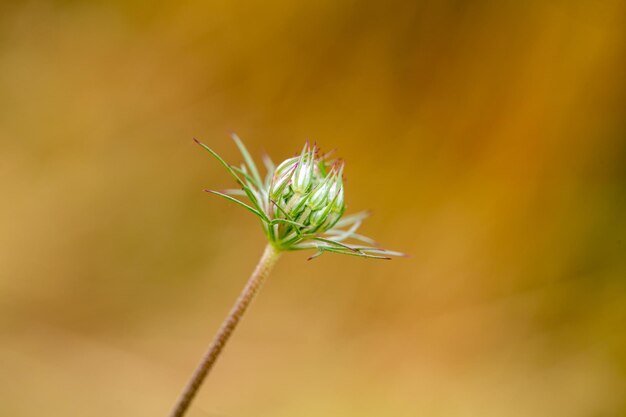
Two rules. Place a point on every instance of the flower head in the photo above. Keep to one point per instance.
(300, 203)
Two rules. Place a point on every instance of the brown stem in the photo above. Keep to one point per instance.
(261, 272)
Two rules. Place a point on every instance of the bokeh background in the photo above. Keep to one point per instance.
(487, 137)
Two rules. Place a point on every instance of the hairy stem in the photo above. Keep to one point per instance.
(259, 275)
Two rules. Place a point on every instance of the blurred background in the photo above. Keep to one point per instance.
(487, 137)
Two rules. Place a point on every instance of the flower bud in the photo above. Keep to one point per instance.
(308, 191)
(300, 203)
(303, 176)
(282, 177)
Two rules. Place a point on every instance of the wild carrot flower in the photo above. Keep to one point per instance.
(300, 204)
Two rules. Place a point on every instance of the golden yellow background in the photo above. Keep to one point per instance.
(488, 138)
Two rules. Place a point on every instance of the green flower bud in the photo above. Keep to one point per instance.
(303, 176)
(282, 177)
(308, 191)
(300, 203)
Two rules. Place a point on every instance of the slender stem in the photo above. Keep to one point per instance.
(262, 270)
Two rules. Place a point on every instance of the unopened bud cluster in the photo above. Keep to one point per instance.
(300, 203)
(307, 192)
